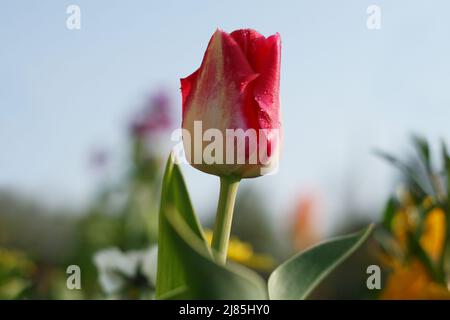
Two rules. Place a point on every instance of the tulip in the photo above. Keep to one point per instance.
(234, 94)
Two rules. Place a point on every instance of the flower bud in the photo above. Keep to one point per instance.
(231, 106)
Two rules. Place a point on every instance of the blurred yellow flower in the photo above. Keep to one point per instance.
(242, 252)
(401, 225)
(433, 233)
(433, 236)
(15, 273)
(411, 281)
(414, 234)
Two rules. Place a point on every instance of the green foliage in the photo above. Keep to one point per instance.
(426, 188)
(186, 268)
(300, 275)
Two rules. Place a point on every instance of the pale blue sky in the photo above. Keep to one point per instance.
(345, 89)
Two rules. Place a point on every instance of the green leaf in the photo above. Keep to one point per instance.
(186, 269)
(299, 276)
(170, 275)
(206, 279)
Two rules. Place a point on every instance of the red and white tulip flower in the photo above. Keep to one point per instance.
(235, 91)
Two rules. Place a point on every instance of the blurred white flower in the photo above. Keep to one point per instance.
(115, 267)
(149, 264)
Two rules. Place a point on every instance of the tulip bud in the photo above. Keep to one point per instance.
(231, 106)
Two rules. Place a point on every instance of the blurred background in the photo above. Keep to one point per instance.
(86, 117)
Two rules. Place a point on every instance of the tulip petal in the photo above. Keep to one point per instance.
(186, 87)
(217, 86)
(264, 55)
(262, 106)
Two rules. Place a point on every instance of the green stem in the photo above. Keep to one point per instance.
(224, 217)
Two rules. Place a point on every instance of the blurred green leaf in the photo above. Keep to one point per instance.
(446, 160)
(406, 170)
(186, 269)
(444, 263)
(389, 213)
(299, 276)
(423, 150)
(416, 250)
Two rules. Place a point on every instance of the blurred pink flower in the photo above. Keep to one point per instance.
(98, 159)
(154, 117)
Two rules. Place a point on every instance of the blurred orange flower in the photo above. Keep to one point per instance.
(412, 282)
(305, 232)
